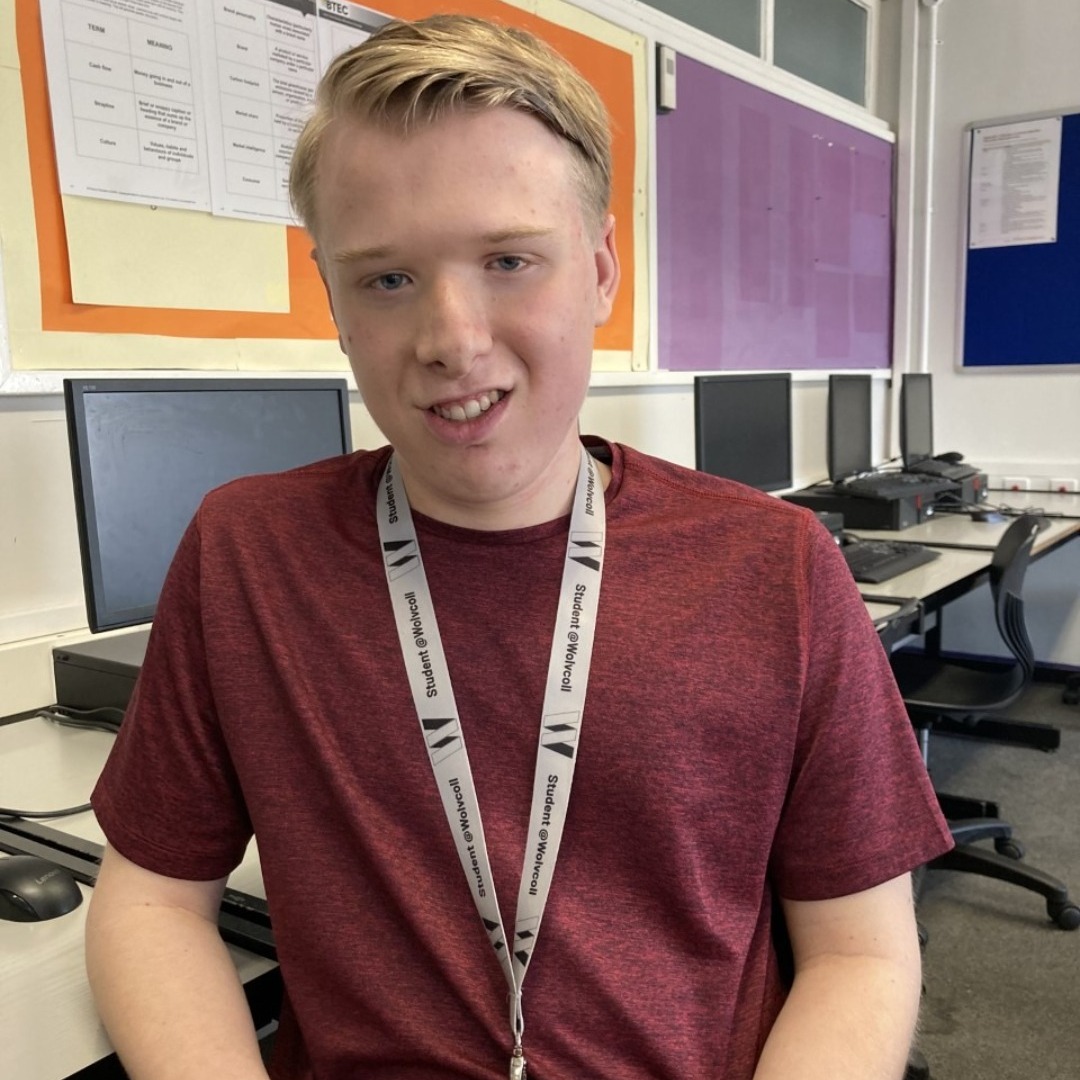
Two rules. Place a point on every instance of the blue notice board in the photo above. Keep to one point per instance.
(1022, 302)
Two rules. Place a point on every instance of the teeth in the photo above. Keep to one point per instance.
(471, 409)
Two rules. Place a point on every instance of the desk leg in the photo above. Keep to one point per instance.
(932, 636)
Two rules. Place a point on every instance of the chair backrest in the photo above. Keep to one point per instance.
(1007, 569)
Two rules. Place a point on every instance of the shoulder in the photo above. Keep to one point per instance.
(647, 484)
(728, 535)
(308, 493)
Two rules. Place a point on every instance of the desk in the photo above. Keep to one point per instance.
(1063, 504)
(49, 1027)
(954, 570)
(883, 612)
(959, 531)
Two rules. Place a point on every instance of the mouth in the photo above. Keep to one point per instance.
(468, 408)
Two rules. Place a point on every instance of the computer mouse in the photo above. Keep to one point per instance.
(33, 889)
(992, 517)
(953, 457)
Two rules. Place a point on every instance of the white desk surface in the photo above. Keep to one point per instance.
(1066, 503)
(881, 612)
(951, 565)
(959, 531)
(49, 1027)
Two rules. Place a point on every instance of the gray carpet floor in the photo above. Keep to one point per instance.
(1002, 982)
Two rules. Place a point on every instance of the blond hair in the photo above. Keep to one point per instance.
(411, 73)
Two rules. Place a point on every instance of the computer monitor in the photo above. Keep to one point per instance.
(742, 428)
(916, 418)
(145, 451)
(850, 425)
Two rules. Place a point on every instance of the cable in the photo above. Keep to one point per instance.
(1018, 511)
(8, 814)
(949, 502)
(105, 718)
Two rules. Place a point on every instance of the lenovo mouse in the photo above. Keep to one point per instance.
(33, 889)
(992, 517)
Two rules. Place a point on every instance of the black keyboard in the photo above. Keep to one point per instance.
(875, 561)
(895, 485)
(947, 469)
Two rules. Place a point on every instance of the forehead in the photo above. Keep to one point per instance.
(502, 158)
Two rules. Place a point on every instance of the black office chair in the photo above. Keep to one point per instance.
(958, 697)
(1071, 694)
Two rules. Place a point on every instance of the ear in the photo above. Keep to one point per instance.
(607, 271)
(329, 295)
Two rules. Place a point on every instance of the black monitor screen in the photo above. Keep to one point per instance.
(850, 425)
(742, 426)
(145, 451)
(916, 418)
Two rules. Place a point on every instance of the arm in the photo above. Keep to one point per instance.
(852, 1009)
(162, 978)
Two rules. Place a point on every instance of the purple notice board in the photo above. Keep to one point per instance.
(774, 233)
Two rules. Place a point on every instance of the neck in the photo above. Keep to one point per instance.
(551, 498)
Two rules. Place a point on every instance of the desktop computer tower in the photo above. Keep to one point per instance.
(100, 673)
(975, 489)
(863, 513)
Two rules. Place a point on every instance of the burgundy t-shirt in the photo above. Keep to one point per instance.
(742, 734)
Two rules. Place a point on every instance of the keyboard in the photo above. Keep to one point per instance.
(947, 469)
(895, 485)
(874, 561)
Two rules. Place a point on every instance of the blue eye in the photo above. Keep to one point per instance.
(390, 282)
(509, 262)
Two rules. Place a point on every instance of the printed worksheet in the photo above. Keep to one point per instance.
(1015, 175)
(261, 66)
(126, 108)
(261, 63)
(343, 25)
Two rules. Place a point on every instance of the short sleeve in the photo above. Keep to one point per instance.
(860, 807)
(168, 798)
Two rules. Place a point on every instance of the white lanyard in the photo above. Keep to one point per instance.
(560, 724)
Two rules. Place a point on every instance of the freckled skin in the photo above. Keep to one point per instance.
(458, 260)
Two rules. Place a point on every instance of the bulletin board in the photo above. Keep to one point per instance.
(775, 240)
(1021, 301)
(289, 327)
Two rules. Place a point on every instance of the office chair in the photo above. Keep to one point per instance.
(954, 696)
(1071, 694)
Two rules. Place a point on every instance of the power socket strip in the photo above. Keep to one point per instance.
(1062, 486)
(1016, 483)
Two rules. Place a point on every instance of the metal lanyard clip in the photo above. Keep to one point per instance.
(517, 1064)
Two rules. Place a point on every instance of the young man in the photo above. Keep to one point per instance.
(330, 640)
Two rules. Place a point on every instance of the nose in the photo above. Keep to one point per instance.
(454, 327)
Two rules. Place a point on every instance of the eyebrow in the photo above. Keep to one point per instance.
(352, 256)
(359, 255)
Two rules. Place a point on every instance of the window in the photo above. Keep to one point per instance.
(737, 22)
(823, 41)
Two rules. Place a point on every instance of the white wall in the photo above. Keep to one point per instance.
(996, 59)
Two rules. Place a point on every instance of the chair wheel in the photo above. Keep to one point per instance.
(1065, 913)
(1010, 848)
(917, 1068)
